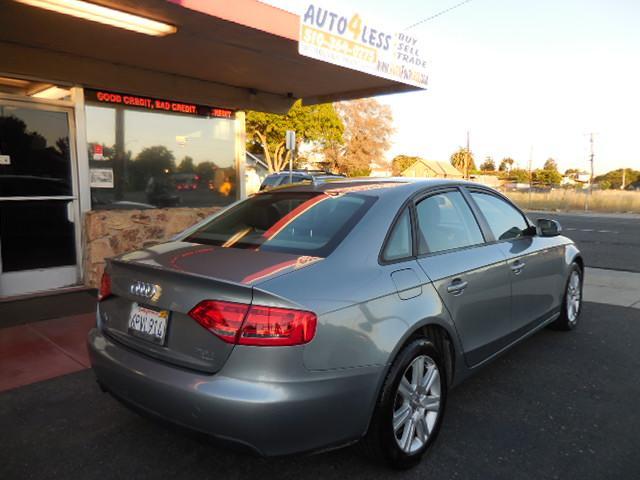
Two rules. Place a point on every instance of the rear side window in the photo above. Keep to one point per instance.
(504, 220)
(445, 222)
(399, 242)
(303, 223)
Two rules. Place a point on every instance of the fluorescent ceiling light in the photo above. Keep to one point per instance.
(108, 16)
(52, 93)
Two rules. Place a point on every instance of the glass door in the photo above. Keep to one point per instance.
(38, 198)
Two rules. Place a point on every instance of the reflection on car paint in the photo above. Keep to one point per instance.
(189, 253)
(361, 188)
(294, 264)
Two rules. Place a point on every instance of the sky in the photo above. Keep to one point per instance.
(527, 79)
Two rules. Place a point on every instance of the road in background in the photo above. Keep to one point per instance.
(606, 240)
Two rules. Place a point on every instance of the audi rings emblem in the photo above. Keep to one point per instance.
(145, 290)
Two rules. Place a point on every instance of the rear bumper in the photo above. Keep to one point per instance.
(276, 417)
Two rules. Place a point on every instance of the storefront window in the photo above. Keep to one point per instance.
(142, 158)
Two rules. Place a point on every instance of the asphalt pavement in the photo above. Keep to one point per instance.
(560, 405)
(607, 240)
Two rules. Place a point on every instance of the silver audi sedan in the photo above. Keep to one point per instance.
(315, 316)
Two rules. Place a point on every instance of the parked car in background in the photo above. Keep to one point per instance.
(635, 186)
(317, 315)
(160, 191)
(284, 178)
(186, 181)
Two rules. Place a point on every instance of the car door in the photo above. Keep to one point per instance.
(535, 263)
(470, 275)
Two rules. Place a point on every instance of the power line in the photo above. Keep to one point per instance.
(442, 12)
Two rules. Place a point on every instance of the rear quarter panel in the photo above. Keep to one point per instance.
(362, 320)
(370, 320)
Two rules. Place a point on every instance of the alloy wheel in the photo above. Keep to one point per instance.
(574, 296)
(417, 404)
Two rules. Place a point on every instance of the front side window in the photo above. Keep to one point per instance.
(504, 220)
(303, 223)
(445, 222)
(399, 243)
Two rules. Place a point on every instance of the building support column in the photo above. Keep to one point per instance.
(240, 153)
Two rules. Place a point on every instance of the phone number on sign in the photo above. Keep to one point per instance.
(337, 44)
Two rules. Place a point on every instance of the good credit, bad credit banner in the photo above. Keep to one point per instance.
(350, 39)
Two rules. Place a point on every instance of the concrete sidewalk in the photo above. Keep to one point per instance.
(612, 287)
(41, 350)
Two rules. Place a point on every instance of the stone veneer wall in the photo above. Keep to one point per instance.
(113, 232)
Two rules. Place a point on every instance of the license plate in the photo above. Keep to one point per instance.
(148, 323)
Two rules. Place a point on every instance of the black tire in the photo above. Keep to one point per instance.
(380, 441)
(566, 321)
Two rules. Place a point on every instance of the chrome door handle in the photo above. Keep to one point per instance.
(517, 266)
(457, 287)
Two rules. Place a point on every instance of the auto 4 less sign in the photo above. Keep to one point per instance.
(351, 40)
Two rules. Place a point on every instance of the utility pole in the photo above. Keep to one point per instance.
(530, 162)
(591, 161)
(624, 178)
(586, 203)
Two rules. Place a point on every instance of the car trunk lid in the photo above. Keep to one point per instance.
(175, 277)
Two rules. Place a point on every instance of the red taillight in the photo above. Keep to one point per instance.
(105, 287)
(277, 326)
(255, 325)
(222, 318)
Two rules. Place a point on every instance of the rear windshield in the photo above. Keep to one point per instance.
(305, 223)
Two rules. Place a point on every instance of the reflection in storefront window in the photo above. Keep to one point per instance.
(141, 159)
(34, 145)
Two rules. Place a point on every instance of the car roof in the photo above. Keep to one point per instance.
(311, 173)
(372, 185)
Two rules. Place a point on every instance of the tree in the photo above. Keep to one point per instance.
(550, 164)
(152, 162)
(614, 177)
(571, 171)
(546, 176)
(186, 165)
(463, 161)
(488, 165)
(518, 175)
(206, 171)
(368, 126)
(605, 185)
(266, 132)
(506, 164)
(401, 162)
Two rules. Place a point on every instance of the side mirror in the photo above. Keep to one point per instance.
(548, 228)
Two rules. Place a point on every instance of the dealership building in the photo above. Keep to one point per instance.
(122, 122)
